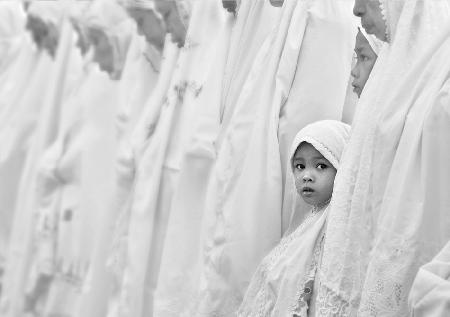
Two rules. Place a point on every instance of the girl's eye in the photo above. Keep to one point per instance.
(299, 166)
(322, 166)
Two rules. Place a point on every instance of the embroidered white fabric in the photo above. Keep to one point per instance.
(388, 212)
(269, 294)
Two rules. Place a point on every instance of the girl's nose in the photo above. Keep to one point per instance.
(307, 178)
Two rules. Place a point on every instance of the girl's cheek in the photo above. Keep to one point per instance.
(298, 183)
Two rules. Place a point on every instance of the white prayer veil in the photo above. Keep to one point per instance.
(109, 17)
(50, 11)
(139, 4)
(329, 137)
(389, 212)
(184, 10)
(374, 42)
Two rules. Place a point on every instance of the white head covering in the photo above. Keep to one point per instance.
(184, 10)
(389, 212)
(139, 4)
(111, 18)
(374, 42)
(50, 11)
(329, 137)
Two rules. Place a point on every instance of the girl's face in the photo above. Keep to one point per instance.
(103, 50)
(172, 19)
(314, 175)
(366, 59)
(371, 17)
(149, 26)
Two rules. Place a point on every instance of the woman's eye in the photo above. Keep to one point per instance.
(299, 166)
(364, 58)
(321, 166)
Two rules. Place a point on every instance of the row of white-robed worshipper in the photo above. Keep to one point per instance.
(152, 163)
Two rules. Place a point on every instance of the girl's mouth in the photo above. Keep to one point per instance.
(307, 191)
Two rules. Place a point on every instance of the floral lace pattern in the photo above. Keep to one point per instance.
(262, 296)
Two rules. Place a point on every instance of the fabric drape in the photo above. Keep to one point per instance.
(387, 215)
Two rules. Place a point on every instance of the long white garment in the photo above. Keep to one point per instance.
(16, 57)
(95, 224)
(180, 263)
(244, 197)
(53, 83)
(127, 261)
(389, 213)
(430, 293)
(253, 23)
(139, 81)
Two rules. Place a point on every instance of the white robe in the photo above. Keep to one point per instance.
(128, 260)
(33, 127)
(389, 212)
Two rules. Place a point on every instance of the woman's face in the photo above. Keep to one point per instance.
(149, 26)
(371, 17)
(366, 59)
(45, 35)
(172, 19)
(314, 175)
(103, 50)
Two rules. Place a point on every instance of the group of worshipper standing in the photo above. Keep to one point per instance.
(224, 158)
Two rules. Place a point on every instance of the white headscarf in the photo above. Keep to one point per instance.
(184, 10)
(50, 11)
(327, 136)
(277, 286)
(389, 212)
(374, 42)
(140, 4)
(111, 18)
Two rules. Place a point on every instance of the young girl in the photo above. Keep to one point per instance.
(283, 284)
(367, 48)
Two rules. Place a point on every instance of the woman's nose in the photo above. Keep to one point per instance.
(359, 8)
(354, 73)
